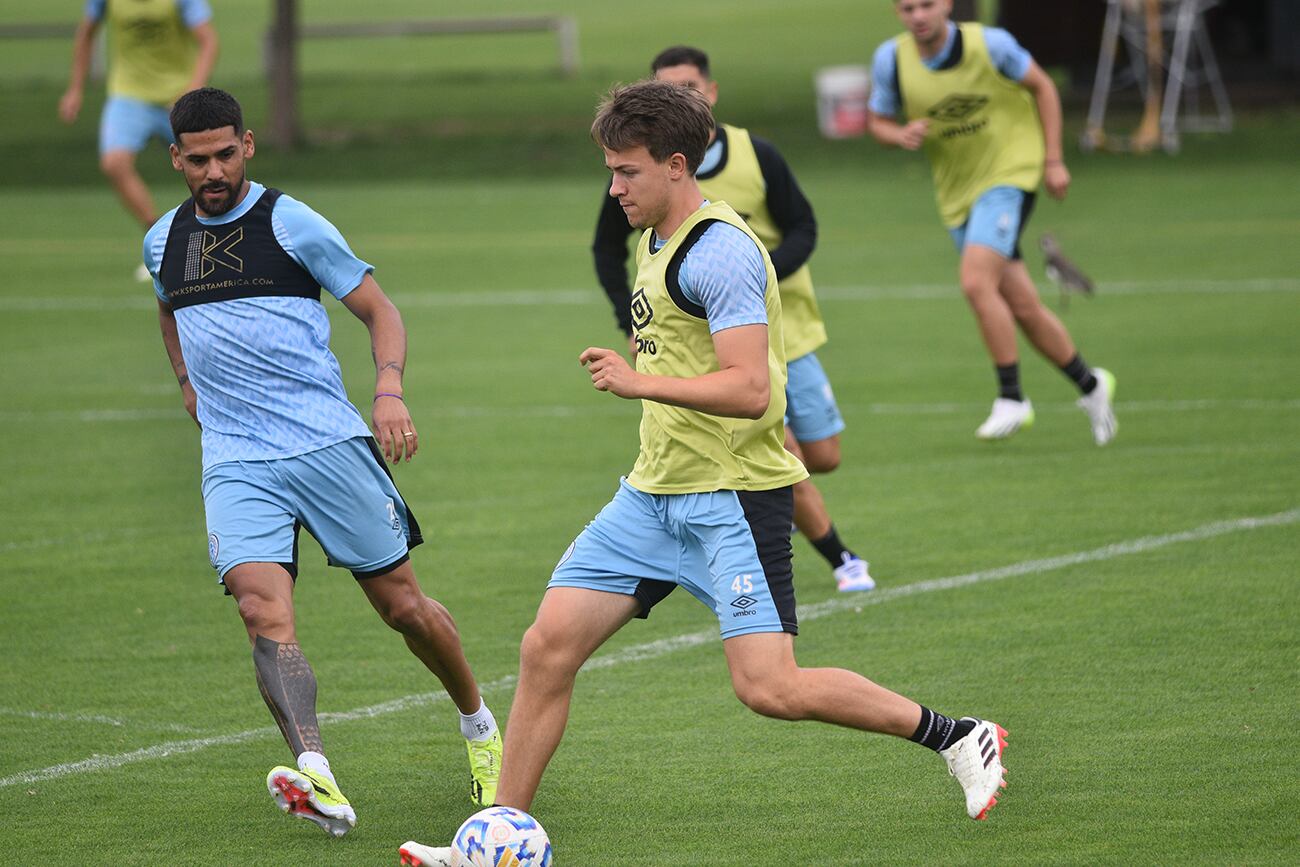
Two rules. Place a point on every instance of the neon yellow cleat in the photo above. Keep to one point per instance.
(313, 797)
(484, 769)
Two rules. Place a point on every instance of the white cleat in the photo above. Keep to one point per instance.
(1007, 417)
(852, 575)
(415, 854)
(976, 762)
(1100, 407)
(142, 274)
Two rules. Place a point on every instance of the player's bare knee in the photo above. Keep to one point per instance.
(408, 613)
(819, 462)
(1025, 310)
(976, 288)
(116, 164)
(544, 653)
(264, 615)
(768, 698)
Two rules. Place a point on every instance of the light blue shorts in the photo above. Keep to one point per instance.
(996, 220)
(342, 494)
(128, 124)
(730, 549)
(810, 411)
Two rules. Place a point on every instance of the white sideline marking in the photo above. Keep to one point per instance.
(96, 718)
(94, 416)
(63, 717)
(664, 646)
(553, 297)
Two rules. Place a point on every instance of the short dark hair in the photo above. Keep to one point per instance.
(204, 109)
(678, 55)
(664, 118)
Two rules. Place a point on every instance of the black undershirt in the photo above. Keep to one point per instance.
(790, 210)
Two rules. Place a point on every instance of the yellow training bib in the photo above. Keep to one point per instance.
(152, 51)
(984, 128)
(684, 451)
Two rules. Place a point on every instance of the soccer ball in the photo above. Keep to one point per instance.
(501, 837)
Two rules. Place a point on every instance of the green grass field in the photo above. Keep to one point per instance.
(1129, 614)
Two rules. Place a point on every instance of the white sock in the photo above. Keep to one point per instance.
(478, 726)
(316, 763)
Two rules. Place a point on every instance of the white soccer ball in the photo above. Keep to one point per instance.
(501, 837)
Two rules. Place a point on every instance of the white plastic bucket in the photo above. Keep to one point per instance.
(842, 100)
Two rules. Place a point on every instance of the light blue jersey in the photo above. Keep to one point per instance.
(1007, 55)
(724, 273)
(193, 12)
(268, 385)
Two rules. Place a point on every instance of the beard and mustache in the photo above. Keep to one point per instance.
(217, 207)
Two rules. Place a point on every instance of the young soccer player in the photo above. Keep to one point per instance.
(238, 269)
(707, 505)
(989, 119)
(749, 174)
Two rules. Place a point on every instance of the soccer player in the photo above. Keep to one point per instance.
(238, 269)
(749, 174)
(159, 50)
(989, 119)
(708, 503)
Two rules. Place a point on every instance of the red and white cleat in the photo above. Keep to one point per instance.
(415, 854)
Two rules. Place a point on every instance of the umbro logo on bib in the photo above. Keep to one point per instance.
(641, 310)
(957, 107)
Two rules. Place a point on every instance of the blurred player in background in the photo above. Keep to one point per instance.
(749, 174)
(989, 119)
(238, 269)
(158, 50)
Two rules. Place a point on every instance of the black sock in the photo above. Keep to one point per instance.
(938, 732)
(1009, 381)
(1080, 374)
(830, 547)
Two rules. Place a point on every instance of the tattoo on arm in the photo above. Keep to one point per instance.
(288, 685)
(392, 365)
(185, 377)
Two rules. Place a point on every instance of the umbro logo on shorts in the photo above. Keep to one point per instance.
(743, 602)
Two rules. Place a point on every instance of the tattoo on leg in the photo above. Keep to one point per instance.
(288, 686)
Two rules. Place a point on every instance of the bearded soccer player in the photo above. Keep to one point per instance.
(749, 174)
(989, 119)
(708, 503)
(238, 269)
(158, 50)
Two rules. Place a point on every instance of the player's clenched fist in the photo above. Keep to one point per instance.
(610, 371)
(912, 136)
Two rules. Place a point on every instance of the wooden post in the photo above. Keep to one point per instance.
(282, 74)
(965, 10)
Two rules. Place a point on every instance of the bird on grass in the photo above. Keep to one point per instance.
(1061, 271)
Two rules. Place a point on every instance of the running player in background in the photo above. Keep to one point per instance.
(749, 174)
(989, 119)
(158, 50)
(238, 269)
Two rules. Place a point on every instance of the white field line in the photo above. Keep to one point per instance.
(94, 416)
(665, 646)
(95, 718)
(554, 297)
